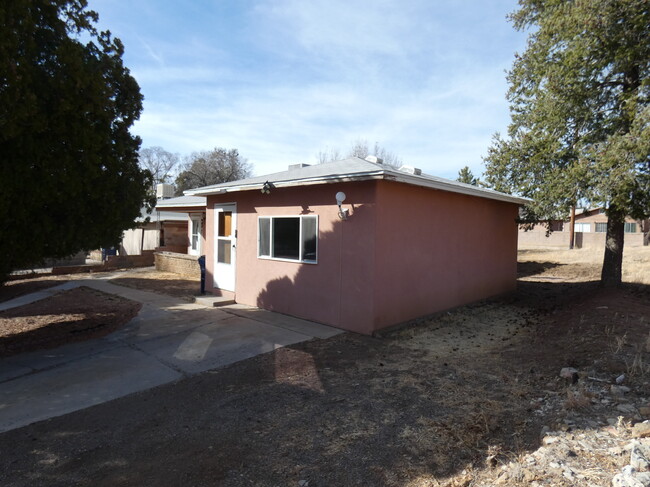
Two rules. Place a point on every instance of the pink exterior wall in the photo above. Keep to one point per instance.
(436, 250)
(404, 252)
(338, 290)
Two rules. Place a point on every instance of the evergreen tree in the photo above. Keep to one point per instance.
(466, 176)
(579, 100)
(69, 172)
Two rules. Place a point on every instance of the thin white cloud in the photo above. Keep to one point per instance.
(287, 78)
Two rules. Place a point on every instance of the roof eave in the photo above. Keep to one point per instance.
(453, 188)
(186, 205)
(289, 183)
(381, 174)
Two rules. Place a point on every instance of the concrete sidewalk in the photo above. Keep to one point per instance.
(169, 339)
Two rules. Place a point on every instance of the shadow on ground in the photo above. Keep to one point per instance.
(350, 410)
(13, 289)
(525, 269)
(69, 316)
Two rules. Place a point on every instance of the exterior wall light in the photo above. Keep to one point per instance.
(340, 198)
(266, 188)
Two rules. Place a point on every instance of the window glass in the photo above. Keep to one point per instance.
(630, 227)
(264, 237)
(309, 238)
(289, 237)
(601, 227)
(195, 234)
(286, 238)
(224, 249)
(225, 223)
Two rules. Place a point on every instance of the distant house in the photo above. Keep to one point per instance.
(160, 228)
(156, 228)
(590, 228)
(356, 244)
(181, 256)
(595, 220)
(192, 209)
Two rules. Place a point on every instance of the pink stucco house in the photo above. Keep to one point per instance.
(400, 245)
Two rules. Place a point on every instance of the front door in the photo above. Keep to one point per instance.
(225, 250)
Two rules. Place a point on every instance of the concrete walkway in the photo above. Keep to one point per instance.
(169, 339)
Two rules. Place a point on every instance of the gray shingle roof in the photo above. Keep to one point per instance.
(182, 201)
(351, 169)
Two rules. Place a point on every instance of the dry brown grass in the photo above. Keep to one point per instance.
(636, 260)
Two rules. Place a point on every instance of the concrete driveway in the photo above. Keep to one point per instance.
(170, 339)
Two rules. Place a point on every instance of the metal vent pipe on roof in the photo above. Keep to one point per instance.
(411, 170)
(375, 159)
(298, 166)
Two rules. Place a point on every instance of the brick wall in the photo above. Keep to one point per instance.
(75, 259)
(175, 235)
(538, 238)
(183, 264)
(125, 261)
(177, 249)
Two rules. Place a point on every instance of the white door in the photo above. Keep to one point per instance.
(225, 250)
(195, 235)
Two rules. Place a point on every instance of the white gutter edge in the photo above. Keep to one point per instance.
(453, 188)
(377, 175)
(186, 205)
(288, 183)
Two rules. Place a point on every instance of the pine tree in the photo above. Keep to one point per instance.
(69, 174)
(466, 176)
(580, 117)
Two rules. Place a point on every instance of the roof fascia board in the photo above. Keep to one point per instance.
(291, 182)
(381, 174)
(453, 188)
(179, 205)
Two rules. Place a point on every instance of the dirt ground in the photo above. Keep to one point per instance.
(74, 315)
(78, 314)
(470, 397)
(162, 282)
(19, 287)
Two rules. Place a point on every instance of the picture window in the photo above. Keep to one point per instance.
(292, 238)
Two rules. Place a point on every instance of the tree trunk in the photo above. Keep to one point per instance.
(572, 227)
(613, 262)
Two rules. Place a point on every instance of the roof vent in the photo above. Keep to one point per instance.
(298, 166)
(164, 191)
(416, 171)
(375, 159)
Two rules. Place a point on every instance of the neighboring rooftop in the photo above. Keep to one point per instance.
(182, 202)
(351, 169)
(160, 216)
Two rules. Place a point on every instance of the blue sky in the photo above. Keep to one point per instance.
(281, 80)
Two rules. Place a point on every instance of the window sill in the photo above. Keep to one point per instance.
(312, 262)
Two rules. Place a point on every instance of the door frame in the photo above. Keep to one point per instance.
(196, 217)
(219, 207)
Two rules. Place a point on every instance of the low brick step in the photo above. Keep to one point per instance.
(213, 301)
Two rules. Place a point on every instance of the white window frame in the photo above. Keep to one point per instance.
(578, 227)
(300, 260)
(198, 219)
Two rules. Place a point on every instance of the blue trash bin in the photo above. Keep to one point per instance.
(202, 266)
(108, 251)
